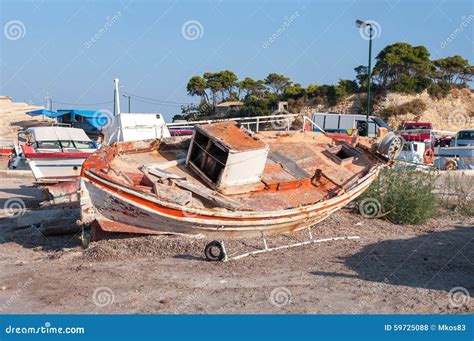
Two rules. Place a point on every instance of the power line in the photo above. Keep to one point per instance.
(155, 100)
(82, 104)
(156, 103)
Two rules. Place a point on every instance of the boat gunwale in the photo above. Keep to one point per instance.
(211, 213)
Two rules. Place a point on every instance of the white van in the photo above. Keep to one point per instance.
(345, 124)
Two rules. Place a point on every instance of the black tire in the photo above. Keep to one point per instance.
(210, 253)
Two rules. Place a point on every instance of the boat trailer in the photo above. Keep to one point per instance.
(216, 250)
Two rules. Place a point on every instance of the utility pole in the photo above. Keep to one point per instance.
(48, 102)
(362, 24)
(128, 96)
(116, 97)
(369, 74)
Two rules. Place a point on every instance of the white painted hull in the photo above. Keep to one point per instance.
(100, 201)
(55, 168)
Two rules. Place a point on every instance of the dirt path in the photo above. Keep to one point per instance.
(391, 269)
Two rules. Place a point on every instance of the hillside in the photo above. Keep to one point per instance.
(454, 112)
(13, 116)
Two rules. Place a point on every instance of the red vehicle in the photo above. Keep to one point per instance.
(419, 131)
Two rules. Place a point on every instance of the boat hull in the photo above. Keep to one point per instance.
(55, 168)
(102, 200)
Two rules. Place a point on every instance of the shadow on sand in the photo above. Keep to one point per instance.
(438, 260)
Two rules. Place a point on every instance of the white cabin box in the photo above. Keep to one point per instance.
(226, 157)
(136, 127)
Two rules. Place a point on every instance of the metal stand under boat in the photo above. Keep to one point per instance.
(216, 251)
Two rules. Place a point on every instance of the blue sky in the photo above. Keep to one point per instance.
(74, 49)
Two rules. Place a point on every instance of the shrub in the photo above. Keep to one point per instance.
(403, 196)
(439, 90)
(411, 85)
(456, 193)
(415, 107)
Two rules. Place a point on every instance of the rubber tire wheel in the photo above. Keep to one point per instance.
(450, 165)
(210, 256)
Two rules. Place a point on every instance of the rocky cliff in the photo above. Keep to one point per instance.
(452, 113)
(13, 116)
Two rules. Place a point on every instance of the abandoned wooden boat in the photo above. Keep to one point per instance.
(227, 182)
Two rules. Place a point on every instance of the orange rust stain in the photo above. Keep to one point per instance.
(180, 214)
(231, 136)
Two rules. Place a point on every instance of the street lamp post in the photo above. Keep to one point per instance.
(363, 24)
(128, 101)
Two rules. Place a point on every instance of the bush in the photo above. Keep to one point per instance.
(415, 107)
(403, 196)
(439, 90)
(411, 85)
(456, 193)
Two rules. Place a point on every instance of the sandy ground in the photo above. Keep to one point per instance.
(390, 269)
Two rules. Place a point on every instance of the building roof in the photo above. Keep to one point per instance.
(230, 136)
(58, 134)
(230, 104)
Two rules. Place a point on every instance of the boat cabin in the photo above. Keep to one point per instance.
(226, 157)
(57, 140)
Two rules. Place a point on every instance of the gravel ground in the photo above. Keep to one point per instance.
(390, 269)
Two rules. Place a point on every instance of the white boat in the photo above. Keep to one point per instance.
(56, 153)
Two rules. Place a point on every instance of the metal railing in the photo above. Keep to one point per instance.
(275, 121)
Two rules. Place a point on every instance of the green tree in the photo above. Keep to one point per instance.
(197, 87)
(402, 59)
(228, 80)
(361, 76)
(247, 86)
(454, 70)
(312, 90)
(213, 84)
(294, 91)
(345, 88)
(278, 83)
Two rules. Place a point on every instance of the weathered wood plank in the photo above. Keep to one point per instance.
(59, 227)
(289, 165)
(208, 194)
(166, 164)
(163, 174)
(172, 194)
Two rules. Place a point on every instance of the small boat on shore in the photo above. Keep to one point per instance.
(229, 182)
(55, 153)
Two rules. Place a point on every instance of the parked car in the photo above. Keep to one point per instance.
(463, 138)
(443, 141)
(342, 123)
(450, 158)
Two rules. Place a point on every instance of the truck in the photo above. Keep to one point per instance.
(420, 132)
(347, 123)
